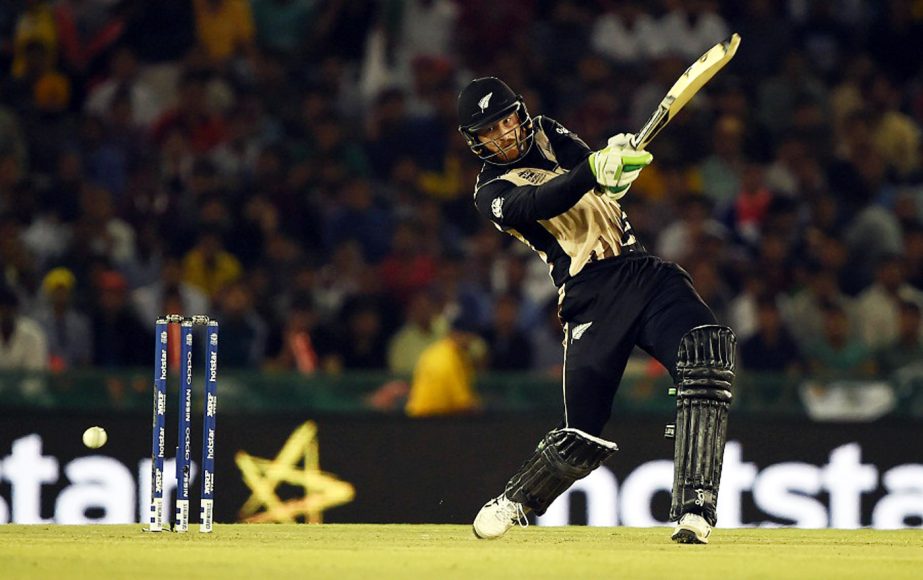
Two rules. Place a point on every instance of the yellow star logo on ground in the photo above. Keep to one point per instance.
(263, 476)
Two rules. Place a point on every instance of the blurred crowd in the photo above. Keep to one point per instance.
(293, 169)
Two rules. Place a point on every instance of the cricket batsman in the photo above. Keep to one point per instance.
(544, 186)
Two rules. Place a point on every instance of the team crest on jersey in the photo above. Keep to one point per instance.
(485, 101)
(496, 208)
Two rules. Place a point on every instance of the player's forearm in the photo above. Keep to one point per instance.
(561, 193)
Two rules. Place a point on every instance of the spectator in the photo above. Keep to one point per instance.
(109, 235)
(879, 305)
(793, 82)
(509, 347)
(804, 311)
(896, 136)
(742, 310)
(428, 28)
(283, 26)
(23, 344)
(692, 26)
(548, 343)
(443, 379)
(236, 159)
(19, 269)
(86, 30)
(693, 224)
(424, 326)
(224, 28)
(35, 26)
(626, 33)
(409, 267)
(48, 236)
(119, 339)
(872, 236)
(68, 330)
(340, 278)
(361, 218)
(309, 154)
(302, 346)
(243, 331)
(722, 170)
(193, 118)
(839, 353)
(208, 266)
(150, 255)
(150, 300)
(748, 210)
(390, 133)
(824, 36)
(363, 344)
(514, 285)
(124, 77)
(12, 140)
(907, 349)
(771, 349)
(41, 96)
(711, 286)
(770, 362)
(458, 294)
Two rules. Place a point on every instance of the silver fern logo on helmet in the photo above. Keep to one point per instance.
(485, 102)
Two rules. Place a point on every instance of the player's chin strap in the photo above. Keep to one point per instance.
(705, 368)
(562, 457)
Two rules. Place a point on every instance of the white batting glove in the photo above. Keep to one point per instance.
(618, 165)
(621, 141)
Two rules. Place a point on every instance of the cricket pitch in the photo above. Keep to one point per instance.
(344, 552)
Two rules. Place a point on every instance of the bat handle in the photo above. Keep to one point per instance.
(634, 141)
(654, 124)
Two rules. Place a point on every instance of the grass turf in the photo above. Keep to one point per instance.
(345, 552)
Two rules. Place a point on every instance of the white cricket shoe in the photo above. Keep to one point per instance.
(691, 529)
(498, 516)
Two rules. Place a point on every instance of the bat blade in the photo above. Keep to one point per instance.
(688, 84)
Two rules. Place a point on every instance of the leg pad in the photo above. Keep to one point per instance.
(562, 457)
(705, 367)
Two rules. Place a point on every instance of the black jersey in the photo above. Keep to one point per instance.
(548, 200)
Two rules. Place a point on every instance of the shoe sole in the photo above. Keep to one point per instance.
(686, 536)
(474, 530)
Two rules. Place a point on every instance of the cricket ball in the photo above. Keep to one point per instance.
(95, 437)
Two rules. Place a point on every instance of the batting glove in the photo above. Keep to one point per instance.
(618, 165)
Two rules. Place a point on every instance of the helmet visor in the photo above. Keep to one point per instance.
(491, 144)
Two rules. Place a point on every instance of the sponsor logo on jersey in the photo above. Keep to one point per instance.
(532, 176)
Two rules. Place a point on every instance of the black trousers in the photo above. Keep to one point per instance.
(609, 308)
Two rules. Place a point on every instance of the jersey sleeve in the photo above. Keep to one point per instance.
(509, 205)
(569, 149)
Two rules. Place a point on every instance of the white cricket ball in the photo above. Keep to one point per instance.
(95, 437)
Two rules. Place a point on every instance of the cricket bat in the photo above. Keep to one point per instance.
(682, 91)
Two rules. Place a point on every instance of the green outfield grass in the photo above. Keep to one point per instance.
(344, 552)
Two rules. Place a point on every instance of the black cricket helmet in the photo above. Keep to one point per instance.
(485, 102)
